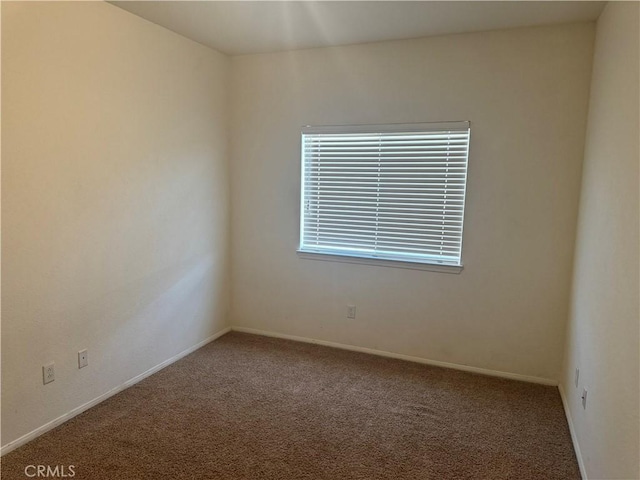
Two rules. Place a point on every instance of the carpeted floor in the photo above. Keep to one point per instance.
(251, 407)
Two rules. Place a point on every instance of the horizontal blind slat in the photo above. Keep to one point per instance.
(422, 223)
(386, 234)
(418, 248)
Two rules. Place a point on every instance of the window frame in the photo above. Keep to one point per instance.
(354, 257)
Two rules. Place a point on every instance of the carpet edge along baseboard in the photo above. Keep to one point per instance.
(101, 398)
(82, 408)
(401, 356)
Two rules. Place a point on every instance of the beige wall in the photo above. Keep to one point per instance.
(114, 202)
(526, 94)
(603, 334)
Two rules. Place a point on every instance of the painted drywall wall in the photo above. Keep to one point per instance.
(114, 202)
(525, 92)
(603, 334)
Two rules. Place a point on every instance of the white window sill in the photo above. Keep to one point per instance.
(433, 267)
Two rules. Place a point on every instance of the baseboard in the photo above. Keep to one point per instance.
(494, 373)
(78, 410)
(400, 356)
(574, 437)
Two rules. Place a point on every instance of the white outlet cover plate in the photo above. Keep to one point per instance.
(83, 358)
(48, 373)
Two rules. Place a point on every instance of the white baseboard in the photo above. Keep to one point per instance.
(400, 356)
(574, 438)
(78, 410)
(494, 373)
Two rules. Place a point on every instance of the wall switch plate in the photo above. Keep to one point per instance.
(584, 398)
(351, 311)
(577, 376)
(83, 358)
(48, 373)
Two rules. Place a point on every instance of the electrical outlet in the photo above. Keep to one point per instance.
(577, 376)
(83, 358)
(48, 373)
(584, 398)
(351, 311)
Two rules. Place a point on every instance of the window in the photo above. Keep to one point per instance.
(385, 192)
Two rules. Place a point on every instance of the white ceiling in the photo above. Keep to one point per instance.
(242, 27)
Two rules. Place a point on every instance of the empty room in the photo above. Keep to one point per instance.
(322, 240)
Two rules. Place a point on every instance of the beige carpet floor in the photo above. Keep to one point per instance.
(251, 407)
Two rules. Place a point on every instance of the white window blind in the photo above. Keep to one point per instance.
(392, 192)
